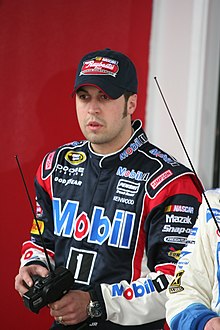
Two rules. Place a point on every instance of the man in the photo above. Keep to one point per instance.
(114, 209)
(194, 294)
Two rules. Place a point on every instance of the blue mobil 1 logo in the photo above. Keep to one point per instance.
(117, 232)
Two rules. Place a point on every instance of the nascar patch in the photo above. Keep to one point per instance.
(75, 158)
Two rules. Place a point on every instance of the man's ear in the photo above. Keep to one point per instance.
(132, 104)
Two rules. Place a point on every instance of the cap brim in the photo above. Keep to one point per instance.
(101, 83)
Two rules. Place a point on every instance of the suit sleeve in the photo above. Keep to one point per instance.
(32, 250)
(166, 228)
(190, 303)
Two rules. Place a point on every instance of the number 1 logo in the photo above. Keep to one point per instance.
(81, 264)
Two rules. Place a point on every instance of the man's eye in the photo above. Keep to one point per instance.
(104, 97)
(83, 96)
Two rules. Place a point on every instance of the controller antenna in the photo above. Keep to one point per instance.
(36, 221)
(187, 155)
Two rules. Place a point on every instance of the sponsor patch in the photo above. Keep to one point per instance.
(34, 229)
(138, 142)
(156, 182)
(179, 208)
(167, 159)
(174, 253)
(194, 231)
(81, 263)
(184, 253)
(182, 263)
(100, 66)
(71, 171)
(178, 230)
(98, 229)
(119, 199)
(216, 213)
(39, 210)
(66, 182)
(175, 219)
(175, 239)
(132, 174)
(175, 285)
(75, 158)
(49, 161)
(126, 187)
(134, 290)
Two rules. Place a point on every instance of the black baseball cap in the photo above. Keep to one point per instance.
(109, 70)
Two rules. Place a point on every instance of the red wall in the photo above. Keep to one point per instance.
(41, 42)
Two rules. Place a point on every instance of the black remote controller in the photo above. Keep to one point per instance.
(46, 290)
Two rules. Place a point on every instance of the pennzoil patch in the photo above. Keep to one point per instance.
(34, 228)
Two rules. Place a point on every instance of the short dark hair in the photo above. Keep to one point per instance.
(127, 94)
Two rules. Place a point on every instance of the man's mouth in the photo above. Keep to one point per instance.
(94, 125)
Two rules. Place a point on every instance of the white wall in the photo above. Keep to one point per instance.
(184, 56)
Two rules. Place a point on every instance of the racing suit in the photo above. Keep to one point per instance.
(194, 294)
(117, 222)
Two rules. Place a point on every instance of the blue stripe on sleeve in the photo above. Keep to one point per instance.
(194, 317)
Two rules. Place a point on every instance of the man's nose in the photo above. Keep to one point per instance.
(93, 106)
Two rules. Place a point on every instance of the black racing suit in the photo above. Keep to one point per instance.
(118, 222)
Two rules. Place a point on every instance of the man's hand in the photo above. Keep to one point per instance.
(24, 277)
(213, 324)
(71, 308)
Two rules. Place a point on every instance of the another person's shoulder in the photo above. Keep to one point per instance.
(209, 214)
(214, 195)
(211, 204)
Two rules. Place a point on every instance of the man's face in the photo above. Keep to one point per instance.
(105, 122)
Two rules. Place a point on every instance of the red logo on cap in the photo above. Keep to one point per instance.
(100, 66)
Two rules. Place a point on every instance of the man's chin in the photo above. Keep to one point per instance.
(95, 138)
